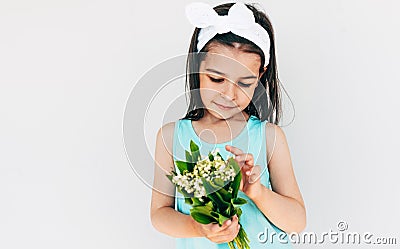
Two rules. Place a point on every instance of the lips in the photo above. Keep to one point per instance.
(224, 107)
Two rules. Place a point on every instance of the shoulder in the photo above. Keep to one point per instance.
(275, 136)
(166, 129)
(165, 135)
(164, 146)
(271, 128)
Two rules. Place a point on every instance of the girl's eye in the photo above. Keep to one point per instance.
(222, 79)
(244, 85)
(215, 79)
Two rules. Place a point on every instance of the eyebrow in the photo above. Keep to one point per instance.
(223, 74)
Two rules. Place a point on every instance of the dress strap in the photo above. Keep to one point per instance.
(175, 139)
(263, 132)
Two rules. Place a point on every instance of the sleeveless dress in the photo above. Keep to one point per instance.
(250, 140)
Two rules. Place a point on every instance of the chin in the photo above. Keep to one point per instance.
(222, 115)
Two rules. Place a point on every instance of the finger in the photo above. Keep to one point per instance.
(231, 232)
(231, 227)
(245, 158)
(215, 228)
(254, 175)
(233, 150)
(227, 224)
(252, 170)
(245, 169)
(225, 238)
(212, 227)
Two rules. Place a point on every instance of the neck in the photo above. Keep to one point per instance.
(211, 119)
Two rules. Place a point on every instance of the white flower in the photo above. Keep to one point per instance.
(192, 182)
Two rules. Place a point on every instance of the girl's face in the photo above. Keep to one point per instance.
(228, 78)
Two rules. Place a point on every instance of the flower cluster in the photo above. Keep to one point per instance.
(210, 185)
(210, 168)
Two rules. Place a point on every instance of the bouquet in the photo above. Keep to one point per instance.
(210, 185)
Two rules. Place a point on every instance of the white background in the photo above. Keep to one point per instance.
(66, 72)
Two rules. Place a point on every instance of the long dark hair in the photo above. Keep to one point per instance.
(266, 101)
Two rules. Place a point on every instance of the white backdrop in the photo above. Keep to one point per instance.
(67, 69)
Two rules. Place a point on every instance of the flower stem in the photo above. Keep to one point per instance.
(241, 240)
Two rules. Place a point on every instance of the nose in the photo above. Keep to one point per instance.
(229, 91)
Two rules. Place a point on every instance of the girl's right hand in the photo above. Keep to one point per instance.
(220, 234)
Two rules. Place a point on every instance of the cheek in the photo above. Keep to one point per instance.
(245, 95)
(208, 90)
(208, 94)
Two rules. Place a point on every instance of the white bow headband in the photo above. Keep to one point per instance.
(240, 21)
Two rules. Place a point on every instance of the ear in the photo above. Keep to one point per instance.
(263, 72)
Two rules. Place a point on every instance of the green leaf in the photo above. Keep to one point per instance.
(173, 173)
(232, 162)
(182, 166)
(238, 202)
(217, 185)
(193, 146)
(229, 210)
(219, 182)
(222, 205)
(225, 194)
(223, 190)
(202, 214)
(196, 156)
(215, 196)
(188, 157)
(211, 157)
(184, 193)
(228, 186)
(196, 202)
(202, 218)
(221, 218)
(210, 205)
(207, 186)
(238, 178)
(195, 151)
(170, 177)
(220, 156)
(238, 211)
(202, 209)
(189, 161)
(188, 201)
(215, 214)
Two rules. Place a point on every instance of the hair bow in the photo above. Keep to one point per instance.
(240, 21)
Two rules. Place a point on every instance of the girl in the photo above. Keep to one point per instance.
(235, 107)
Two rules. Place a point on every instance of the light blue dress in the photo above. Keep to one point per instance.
(261, 232)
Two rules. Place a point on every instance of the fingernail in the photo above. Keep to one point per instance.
(228, 222)
(238, 226)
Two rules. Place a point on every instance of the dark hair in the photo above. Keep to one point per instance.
(266, 101)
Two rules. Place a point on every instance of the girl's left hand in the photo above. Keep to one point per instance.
(251, 174)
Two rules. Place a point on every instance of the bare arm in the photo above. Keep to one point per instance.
(163, 215)
(284, 205)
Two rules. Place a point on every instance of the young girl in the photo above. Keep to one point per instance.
(235, 108)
